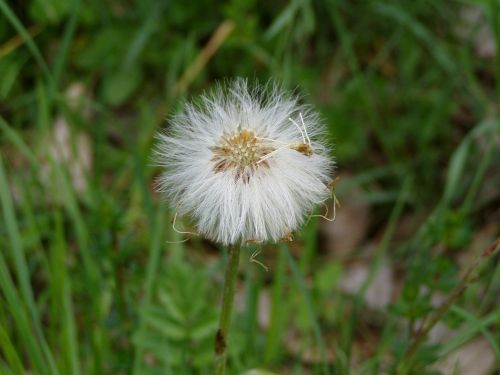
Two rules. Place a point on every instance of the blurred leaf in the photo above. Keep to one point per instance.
(284, 19)
(328, 277)
(458, 160)
(119, 86)
(9, 71)
(49, 12)
(258, 372)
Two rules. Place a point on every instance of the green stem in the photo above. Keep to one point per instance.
(227, 309)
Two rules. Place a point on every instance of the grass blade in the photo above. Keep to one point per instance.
(301, 284)
(10, 352)
(59, 276)
(21, 320)
(67, 37)
(20, 264)
(151, 272)
(25, 34)
(277, 319)
(477, 325)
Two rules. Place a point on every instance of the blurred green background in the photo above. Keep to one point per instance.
(93, 280)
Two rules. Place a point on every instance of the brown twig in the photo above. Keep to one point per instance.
(218, 37)
(17, 41)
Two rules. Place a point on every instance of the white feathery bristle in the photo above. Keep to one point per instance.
(244, 163)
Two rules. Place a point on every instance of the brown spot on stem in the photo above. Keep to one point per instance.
(220, 343)
(491, 249)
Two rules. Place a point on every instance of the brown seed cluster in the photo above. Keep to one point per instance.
(303, 148)
(240, 151)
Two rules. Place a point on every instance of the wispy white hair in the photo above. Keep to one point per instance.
(273, 191)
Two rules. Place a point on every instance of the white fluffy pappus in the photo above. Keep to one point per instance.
(244, 163)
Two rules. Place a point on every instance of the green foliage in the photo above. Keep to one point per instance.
(181, 320)
(93, 280)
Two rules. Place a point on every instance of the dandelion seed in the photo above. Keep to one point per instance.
(253, 259)
(336, 202)
(240, 168)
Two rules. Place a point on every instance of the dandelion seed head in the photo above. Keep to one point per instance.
(244, 163)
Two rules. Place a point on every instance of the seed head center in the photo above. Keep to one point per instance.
(243, 147)
(241, 151)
